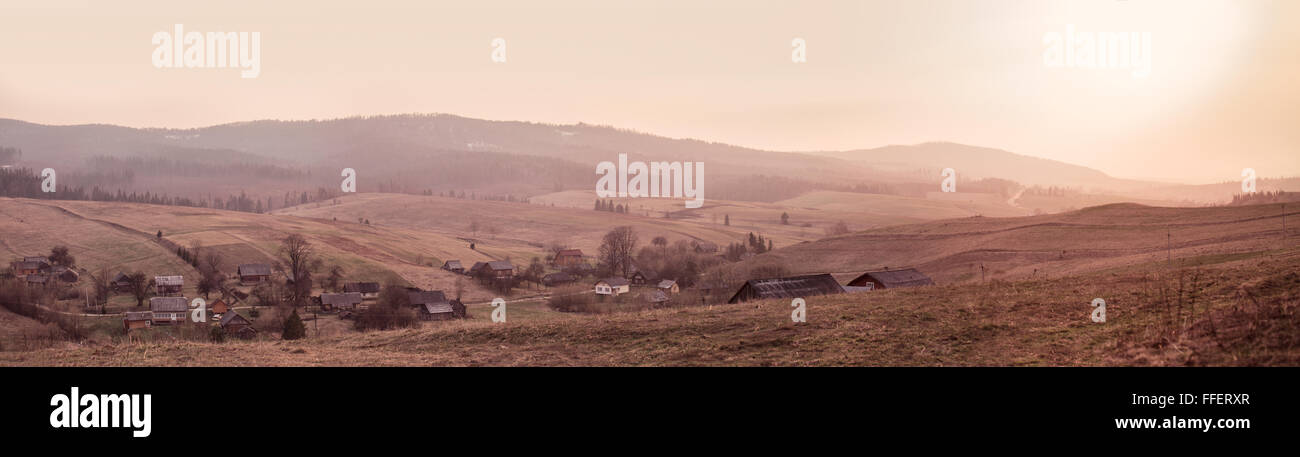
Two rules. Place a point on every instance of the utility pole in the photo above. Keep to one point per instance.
(1169, 249)
(1284, 222)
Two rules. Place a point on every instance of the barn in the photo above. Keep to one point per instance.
(339, 302)
(431, 305)
(121, 282)
(891, 279)
(454, 266)
(791, 287)
(253, 273)
(567, 257)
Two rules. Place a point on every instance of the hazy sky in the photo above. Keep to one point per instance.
(1223, 92)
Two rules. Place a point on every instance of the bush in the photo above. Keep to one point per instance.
(293, 327)
(217, 334)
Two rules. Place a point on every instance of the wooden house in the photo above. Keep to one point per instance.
(168, 286)
(221, 306)
(431, 305)
(668, 286)
(169, 310)
(500, 269)
(253, 273)
(567, 257)
(121, 282)
(453, 266)
(791, 287)
(368, 290)
(237, 326)
(891, 279)
(557, 279)
(137, 319)
(339, 302)
(473, 270)
(612, 286)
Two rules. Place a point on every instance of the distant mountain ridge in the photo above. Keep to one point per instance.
(393, 142)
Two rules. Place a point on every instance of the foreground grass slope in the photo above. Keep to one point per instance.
(1236, 312)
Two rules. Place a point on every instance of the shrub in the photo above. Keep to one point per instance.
(293, 327)
(217, 334)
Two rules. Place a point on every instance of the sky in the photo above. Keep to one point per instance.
(1220, 91)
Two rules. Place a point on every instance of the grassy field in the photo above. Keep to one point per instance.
(1228, 297)
(1242, 312)
(1100, 238)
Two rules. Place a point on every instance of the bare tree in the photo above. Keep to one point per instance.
(616, 249)
(140, 285)
(297, 253)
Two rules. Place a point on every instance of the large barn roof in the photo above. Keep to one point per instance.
(168, 304)
(791, 287)
(907, 277)
(426, 297)
(254, 269)
(346, 298)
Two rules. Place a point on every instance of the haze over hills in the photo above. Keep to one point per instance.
(414, 152)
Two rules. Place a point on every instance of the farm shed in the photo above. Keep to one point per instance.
(791, 287)
(137, 319)
(891, 279)
(668, 286)
(454, 266)
(555, 279)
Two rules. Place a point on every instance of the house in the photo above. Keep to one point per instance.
(168, 285)
(220, 306)
(237, 326)
(454, 266)
(891, 279)
(368, 290)
(500, 269)
(121, 282)
(612, 286)
(432, 305)
(253, 273)
(29, 267)
(567, 257)
(339, 302)
(168, 310)
(557, 279)
(638, 276)
(791, 287)
(137, 319)
(668, 286)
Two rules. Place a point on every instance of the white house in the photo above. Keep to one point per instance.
(612, 286)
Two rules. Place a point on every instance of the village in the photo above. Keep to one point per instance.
(267, 300)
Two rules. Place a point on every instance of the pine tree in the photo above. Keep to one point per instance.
(726, 220)
(293, 327)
